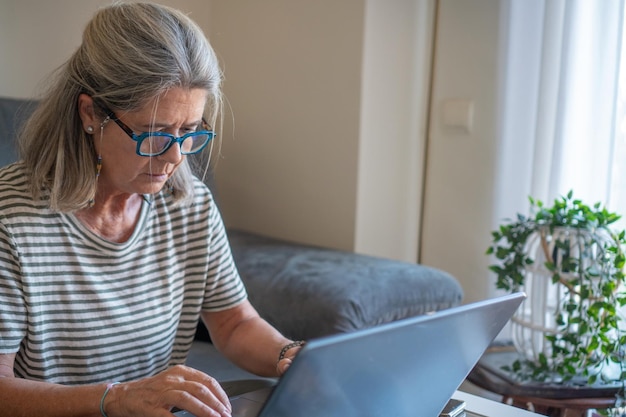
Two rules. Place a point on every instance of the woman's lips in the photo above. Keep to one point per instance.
(158, 177)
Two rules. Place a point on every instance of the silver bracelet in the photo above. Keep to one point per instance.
(106, 391)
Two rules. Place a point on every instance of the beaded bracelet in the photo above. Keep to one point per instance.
(286, 348)
(106, 391)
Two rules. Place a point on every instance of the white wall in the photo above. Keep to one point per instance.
(329, 101)
(460, 179)
(35, 38)
(293, 76)
(395, 88)
(38, 36)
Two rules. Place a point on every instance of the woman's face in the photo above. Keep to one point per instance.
(177, 112)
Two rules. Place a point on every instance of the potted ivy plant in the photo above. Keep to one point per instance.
(578, 251)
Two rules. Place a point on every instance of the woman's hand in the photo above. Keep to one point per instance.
(283, 365)
(179, 386)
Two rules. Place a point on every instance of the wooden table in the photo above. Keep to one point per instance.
(550, 399)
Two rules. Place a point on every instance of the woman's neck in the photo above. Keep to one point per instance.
(113, 219)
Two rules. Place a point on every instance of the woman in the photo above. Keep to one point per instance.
(110, 249)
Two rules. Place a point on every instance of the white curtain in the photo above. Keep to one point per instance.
(561, 122)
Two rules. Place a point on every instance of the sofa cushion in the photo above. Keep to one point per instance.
(307, 292)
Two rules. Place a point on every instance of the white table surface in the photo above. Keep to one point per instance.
(483, 407)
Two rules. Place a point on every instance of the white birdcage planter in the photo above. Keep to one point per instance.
(570, 262)
(538, 315)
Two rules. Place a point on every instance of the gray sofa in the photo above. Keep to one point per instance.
(307, 291)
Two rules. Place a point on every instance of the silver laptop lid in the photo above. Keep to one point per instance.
(406, 368)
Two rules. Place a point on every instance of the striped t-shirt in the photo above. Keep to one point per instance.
(79, 309)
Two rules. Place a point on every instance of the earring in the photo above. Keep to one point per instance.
(98, 167)
(90, 129)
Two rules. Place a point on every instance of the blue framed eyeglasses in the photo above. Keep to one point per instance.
(157, 143)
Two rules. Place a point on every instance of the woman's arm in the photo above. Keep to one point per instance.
(179, 386)
(20, 397)
(249, 341)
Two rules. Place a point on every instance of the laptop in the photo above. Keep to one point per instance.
(406, 368)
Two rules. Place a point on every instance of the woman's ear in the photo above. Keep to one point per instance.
(87, 113)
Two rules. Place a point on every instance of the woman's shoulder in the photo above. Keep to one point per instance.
(202, 193)
(13, 177)
(14, 187)
(11, 168)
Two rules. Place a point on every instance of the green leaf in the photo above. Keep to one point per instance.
(593, 344)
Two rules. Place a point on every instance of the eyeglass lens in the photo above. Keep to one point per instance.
(157, 144)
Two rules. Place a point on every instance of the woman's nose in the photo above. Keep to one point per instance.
(172, 155)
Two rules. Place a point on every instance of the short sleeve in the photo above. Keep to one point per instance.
(224, 287)
(12, 306)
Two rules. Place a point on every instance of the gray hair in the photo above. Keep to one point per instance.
(130, 54)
